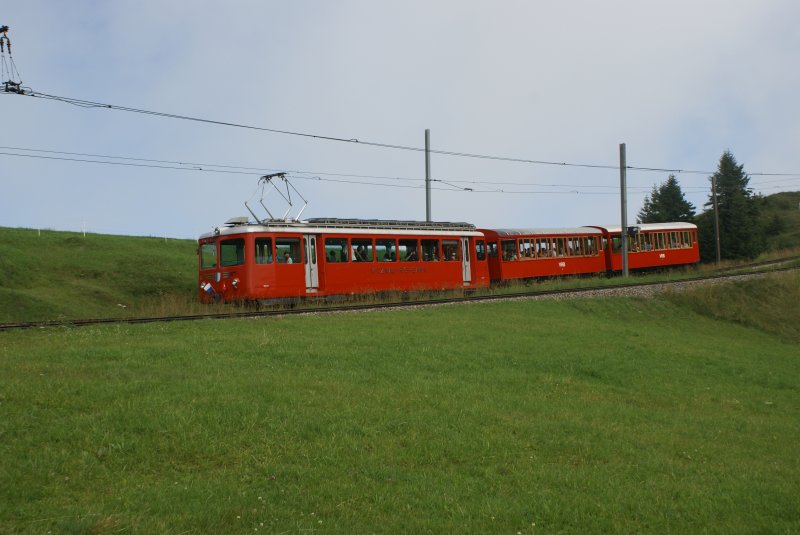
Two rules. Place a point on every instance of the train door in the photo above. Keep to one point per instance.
(310, 260)
(465, 262)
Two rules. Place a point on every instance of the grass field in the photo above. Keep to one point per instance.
(52, 275)
(670, 415)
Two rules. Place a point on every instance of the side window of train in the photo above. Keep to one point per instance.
(408, 251)
(616, 244)
(492, 249)
(451, 250)
(231, 252)
(661, 241)
(430, 250)
(287, 250)
(561, 246)
(263, 250)
(526, 248)
(633, 243)
(208, 255)
(480, 250)
(509, 250)
(585, 246)
(336, 249)
(687, 239)
(362, 250)
(574, 247)
(591, 246)
(644, 242)
(674, 240)
(542, 246)
(385, 250)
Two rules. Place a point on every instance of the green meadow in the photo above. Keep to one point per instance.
(49, 275)
(678, 414)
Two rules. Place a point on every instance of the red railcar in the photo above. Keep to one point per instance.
(651, 245)
(276, 260)
(530, 253)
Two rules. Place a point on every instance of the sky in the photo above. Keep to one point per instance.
(679, 82)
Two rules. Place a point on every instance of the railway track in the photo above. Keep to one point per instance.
(645, 289)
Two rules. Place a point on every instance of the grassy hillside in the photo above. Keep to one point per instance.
(780, 215)
(770, 304)
(599, 416)
(64, 275)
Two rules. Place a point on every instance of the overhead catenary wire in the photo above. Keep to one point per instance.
(92, 104)
(357, 141)
(498, 187)
(301, 176)
(452, 182)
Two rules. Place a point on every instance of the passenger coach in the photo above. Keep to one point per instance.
(530, 253)
(274, 260)
(652, 245)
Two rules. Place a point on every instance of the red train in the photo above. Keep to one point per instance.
(276, 260)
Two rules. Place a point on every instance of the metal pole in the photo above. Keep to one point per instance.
(427, 174)
(624, 201)
(716, 214)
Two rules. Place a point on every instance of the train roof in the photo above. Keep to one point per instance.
(239, 225)
(544, 231)
(651, 227)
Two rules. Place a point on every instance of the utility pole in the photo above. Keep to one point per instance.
(427, 174)
(716, 214)
(623, 167)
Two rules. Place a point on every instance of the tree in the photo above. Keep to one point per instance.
(741, 235)
(666, 203)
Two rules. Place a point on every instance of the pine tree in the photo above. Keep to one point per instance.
(666, 203)
(740, 233)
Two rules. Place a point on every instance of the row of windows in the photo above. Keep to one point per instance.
(654, 241)
(337, 250)
(531, 248)
(231, 252)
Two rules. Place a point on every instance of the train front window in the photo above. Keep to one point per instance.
(287, 250)
(263, 250)
(231, 252)
(336, 249)
(208, 255)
